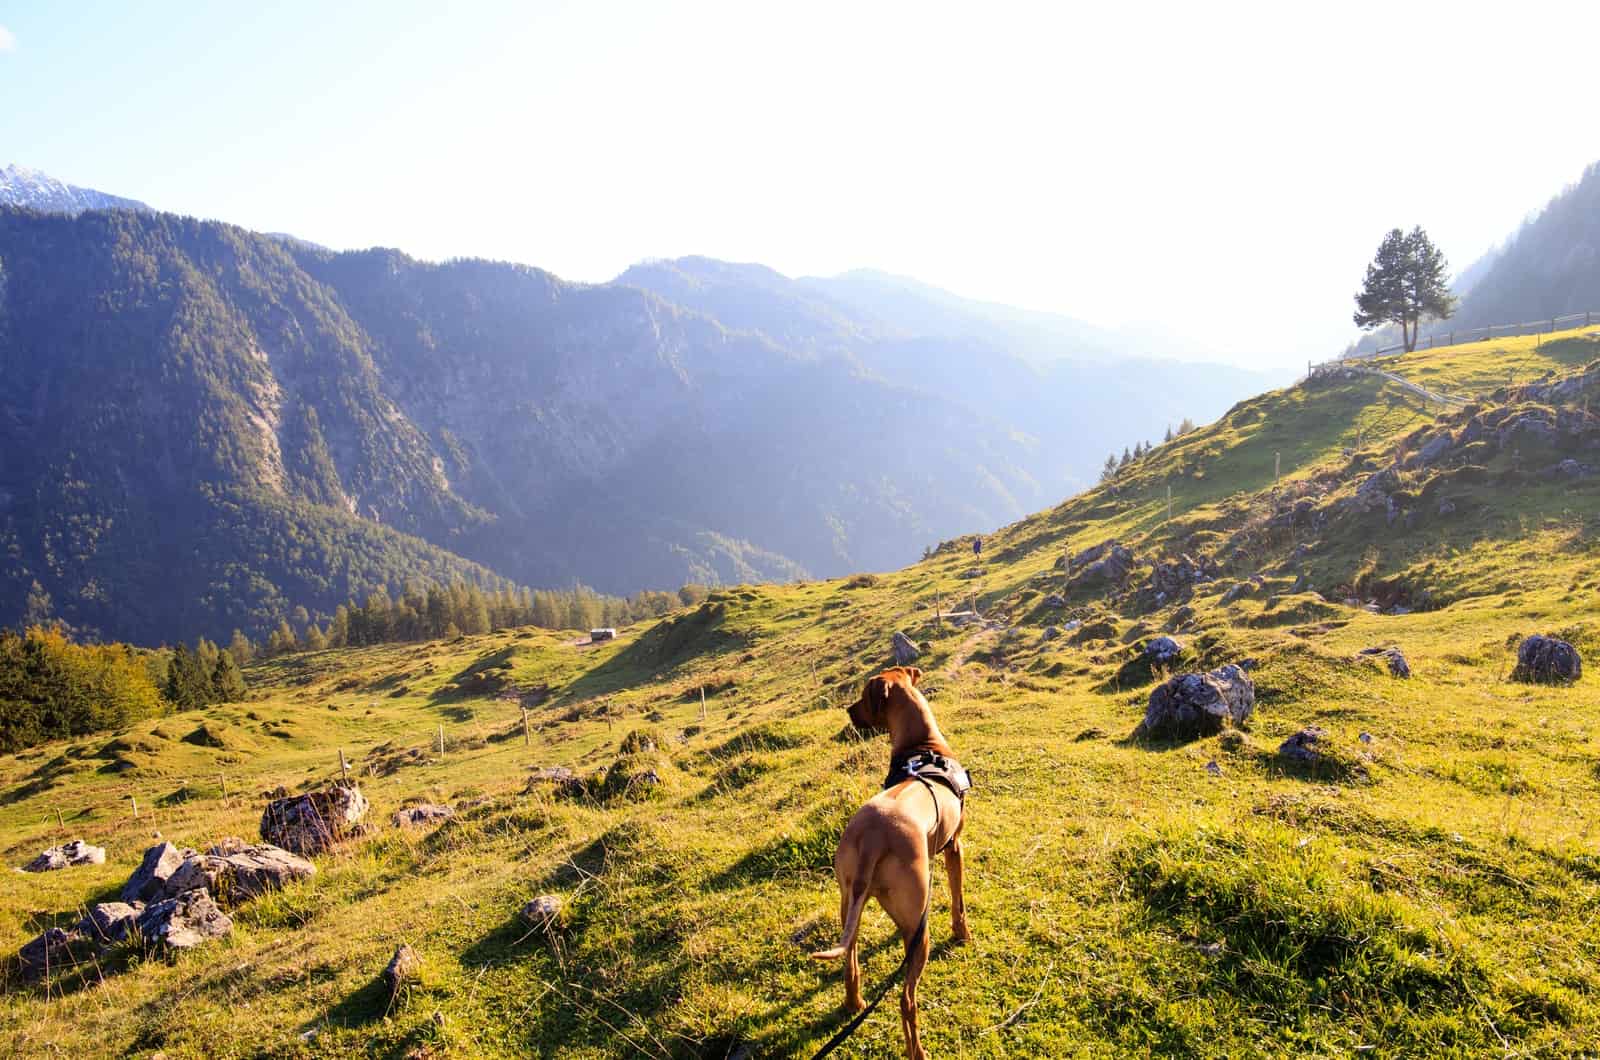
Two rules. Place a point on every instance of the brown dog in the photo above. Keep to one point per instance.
(888, 845)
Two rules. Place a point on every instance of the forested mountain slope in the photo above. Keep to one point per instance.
(205, 427)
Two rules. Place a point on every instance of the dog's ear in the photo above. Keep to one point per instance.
(877, 695)
(914, 674)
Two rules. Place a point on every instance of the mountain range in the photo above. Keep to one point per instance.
(207, 428)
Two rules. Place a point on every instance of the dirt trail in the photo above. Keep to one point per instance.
(964, 650)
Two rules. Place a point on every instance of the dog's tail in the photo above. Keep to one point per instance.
(852, 920)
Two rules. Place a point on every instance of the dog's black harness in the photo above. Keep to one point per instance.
(928, 768)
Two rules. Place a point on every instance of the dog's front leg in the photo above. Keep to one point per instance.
(953, 871)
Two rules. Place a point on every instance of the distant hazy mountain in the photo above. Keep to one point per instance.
(203, 427)
(915, 309)
(20, 186)
(1045, 379)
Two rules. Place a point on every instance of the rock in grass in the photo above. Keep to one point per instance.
(543, 911)
(1547, 661)
(311, 823)
(149, 881)
(1301, 748)
(1393, 658)
(189, 920)
(232, 870)
(1190, 706)
(66, 855)
(1055, 601)
(403, 967)
(905, 649)
(423, 815)
(52, 949)
(110, 922)
(1162, 650)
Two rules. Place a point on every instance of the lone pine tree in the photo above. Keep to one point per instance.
(1404, 283)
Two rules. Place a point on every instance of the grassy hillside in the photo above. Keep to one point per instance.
(1432, 888)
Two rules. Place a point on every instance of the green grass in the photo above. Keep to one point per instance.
(1433, 891)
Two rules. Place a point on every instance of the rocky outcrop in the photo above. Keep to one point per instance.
(1193, 705)
(1174, 579)
(233, 871)
(1548, 661)
(184, 922)
(67, 855)
(149, 881)
(1106, 564)
(110, 922)
(55, 948)
(311, 823)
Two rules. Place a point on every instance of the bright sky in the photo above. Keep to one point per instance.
(1220, 171)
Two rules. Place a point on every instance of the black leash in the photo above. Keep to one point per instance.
(860, 1017)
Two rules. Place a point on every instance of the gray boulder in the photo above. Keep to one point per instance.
(311, 823)
(149, 881)
(905, 649)
(66, 855)
(235, 871)
(53, 949)
(1193, 705)
(1108, 563)
(110, 922)
(1050, 633)
(402, 968)
(1393, 658)
(1548, 661)
(542, 911)
(1055, 601)
(1301, 748)
(423, 815)
(1162, 650)
(185, 921)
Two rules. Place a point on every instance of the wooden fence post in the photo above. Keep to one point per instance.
(1169, 502)
(527, 737)
(702, 702)
(223, 777)
(1277, 470)
(61, 821)
(135, 806)
(441, 740)
(344, 768)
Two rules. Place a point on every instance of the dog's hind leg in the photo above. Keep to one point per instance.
(909, 911)
(953, 871)
(852, 960)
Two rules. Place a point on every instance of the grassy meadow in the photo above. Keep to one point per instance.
(1430, 889)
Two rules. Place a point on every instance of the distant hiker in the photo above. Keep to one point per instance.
(977, 548)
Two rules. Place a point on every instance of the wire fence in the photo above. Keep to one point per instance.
(1494, 331)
